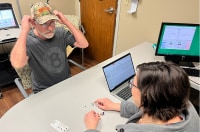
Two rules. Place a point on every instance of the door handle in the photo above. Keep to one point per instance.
(110, 10)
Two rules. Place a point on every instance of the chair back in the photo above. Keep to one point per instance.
(25, 75)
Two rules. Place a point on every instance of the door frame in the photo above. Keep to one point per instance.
(116, 24)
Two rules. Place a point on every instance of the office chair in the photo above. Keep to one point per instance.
(24, 81)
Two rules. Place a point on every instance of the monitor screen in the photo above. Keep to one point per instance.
(179, 43)
(7, 18)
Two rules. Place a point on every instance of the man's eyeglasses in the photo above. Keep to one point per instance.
(131, 85)
(51, 23)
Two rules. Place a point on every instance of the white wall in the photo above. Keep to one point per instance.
(144, 25)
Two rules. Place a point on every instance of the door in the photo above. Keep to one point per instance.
(98, 18)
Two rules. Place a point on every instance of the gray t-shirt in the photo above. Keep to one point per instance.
(47, 58)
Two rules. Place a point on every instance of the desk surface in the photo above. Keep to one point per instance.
(69, 100)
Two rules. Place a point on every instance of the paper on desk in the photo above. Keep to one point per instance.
(133, 8)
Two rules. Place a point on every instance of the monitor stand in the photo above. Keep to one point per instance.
(180, 63)
(186, 64)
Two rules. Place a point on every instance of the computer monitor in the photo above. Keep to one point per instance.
(7, 17)
(179, 43)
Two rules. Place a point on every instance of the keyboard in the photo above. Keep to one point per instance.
(192, 72)
(125, 93)
(9, 40)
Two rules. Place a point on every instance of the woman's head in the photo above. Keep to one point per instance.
(164, 89)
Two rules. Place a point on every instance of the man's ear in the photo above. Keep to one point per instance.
(33, 23)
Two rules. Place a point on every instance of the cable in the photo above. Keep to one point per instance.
(3, 49)
(1, 61)
(47, 1)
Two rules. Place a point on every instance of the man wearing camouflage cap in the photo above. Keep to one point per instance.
(43, 46)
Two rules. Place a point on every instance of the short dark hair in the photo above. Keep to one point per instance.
(164, 89)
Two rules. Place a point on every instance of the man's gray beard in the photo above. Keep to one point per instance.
(47, 36)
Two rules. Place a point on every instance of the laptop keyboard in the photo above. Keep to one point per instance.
(125, 93)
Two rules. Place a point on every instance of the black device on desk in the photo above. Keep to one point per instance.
(179, 43)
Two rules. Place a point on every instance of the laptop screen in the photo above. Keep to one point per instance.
(119, 71)
(7, 17)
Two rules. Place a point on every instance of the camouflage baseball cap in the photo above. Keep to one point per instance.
(42, 12)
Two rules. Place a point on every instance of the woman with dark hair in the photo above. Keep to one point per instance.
(161, 102)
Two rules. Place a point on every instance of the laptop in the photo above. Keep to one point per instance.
(117, 74)
(9, 27)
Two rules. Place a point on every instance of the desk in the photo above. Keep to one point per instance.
(69, 100)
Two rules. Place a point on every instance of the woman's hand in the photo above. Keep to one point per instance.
(91, 120)
(107, 104)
